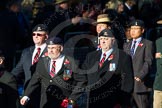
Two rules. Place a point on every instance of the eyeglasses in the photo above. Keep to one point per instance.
(106, 38)
(38, 34)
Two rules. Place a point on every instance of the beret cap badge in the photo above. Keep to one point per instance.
(38, 29)
(50, 42)
(105, 33)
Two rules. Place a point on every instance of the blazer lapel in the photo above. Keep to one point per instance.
(44, 51)
(47, 65)
(31, 53)
(139, 47)
(97, 58)
(127, 47)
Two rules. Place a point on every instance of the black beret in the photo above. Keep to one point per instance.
(40, 27)
(137, 23)
(55, 40)
(106, 33)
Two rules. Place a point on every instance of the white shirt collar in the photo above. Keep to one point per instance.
(108, 53)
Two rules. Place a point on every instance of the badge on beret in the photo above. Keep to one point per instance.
(105, 33)
(39, 29)
(112, 67)
(50, 42)
(136, 23)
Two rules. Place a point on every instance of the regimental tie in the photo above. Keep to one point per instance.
(133, 48)
(36, 57)
(52, 72)
(102, 60)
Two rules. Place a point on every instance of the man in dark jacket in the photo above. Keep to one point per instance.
(27, 63)
(56, 74)
(109, 74)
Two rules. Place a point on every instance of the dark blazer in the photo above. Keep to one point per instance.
(158, 77)
(53, 90)
(105, 87)
(9, 97)
(142, 63)
(24, 66)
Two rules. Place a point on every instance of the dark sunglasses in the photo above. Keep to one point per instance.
(38, 34)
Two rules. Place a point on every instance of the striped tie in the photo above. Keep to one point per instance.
(102, 60)
(133, 48)
(37, 56)
(52, 72)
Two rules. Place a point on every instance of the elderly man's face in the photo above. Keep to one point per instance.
(54, 51)
(106, 43)
(39, 37)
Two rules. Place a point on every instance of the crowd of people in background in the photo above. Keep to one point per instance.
(83, 30)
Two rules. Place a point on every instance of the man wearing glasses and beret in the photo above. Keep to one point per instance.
(57, 76)
(31, 55)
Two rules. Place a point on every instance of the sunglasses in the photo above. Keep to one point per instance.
(38, 34)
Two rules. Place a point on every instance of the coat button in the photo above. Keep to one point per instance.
(50, 80)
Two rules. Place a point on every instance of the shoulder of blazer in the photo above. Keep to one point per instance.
(71, 59)
(146, 41)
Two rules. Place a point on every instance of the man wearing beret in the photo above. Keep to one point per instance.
(142, 52)
(30, 56)
(56, 75)
(109, 74)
